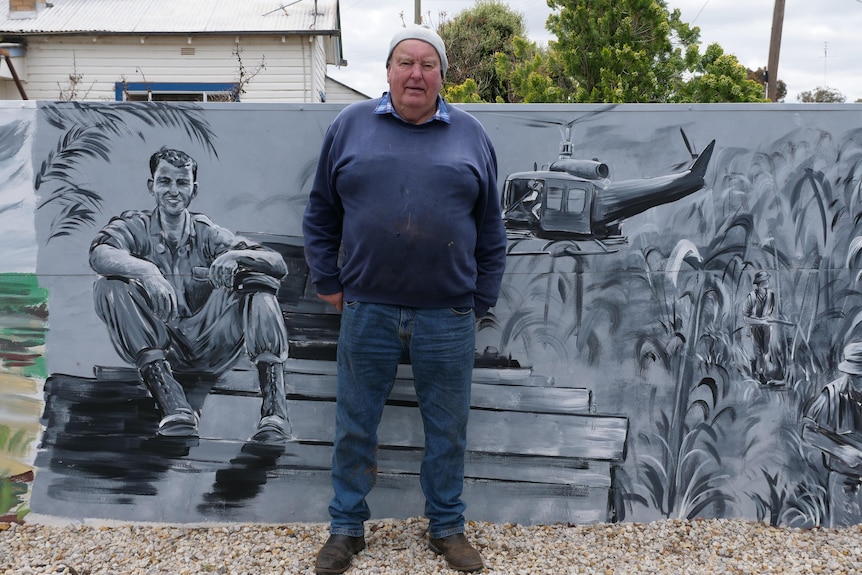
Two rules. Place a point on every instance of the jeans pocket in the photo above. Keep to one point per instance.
(351, 304)
(461, 310)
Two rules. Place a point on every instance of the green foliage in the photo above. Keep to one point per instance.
(719, 77)
(14, 442)
(11, 495)
(534, 74)
(605, 51)
(822, 95)
(473, 38)
(24, 306)
(21, 294)
(466, 93)
(620, 51)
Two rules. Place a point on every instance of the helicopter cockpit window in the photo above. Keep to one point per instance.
(577, 199)
(554, 199)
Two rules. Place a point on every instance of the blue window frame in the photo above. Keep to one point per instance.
(176, 91)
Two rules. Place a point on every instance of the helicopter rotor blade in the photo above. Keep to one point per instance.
(539, 122)
(688, 145)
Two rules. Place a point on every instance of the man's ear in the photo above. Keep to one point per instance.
(150, 186)
(194, 189)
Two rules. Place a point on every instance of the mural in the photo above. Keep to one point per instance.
(677, 336)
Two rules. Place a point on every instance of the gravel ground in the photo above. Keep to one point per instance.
(711, 547)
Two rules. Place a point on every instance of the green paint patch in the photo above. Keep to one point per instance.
(23, 323)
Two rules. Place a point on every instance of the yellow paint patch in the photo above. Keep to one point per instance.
(10, 467)
(11, 382)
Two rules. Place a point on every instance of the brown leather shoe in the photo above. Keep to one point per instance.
(335, 555)
(459, 554)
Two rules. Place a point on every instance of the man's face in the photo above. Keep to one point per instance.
(173, 187)
(414, 80)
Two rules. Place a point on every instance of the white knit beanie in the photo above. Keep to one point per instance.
(426, 34)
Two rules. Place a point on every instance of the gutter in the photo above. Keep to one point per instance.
(8, 58)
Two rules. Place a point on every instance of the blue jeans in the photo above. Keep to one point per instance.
(441, 346)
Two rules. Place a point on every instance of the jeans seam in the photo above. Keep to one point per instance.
(446, 532)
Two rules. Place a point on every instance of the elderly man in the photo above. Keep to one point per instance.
(178, 292)
(407, 186)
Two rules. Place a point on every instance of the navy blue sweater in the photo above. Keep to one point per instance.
(415, 208)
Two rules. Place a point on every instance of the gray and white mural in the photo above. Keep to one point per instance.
(677, 335)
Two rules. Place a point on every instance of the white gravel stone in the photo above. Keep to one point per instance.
(671, 547)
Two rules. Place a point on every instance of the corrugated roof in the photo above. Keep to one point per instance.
(176, 17)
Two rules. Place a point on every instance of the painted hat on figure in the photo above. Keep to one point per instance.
(760, 277)
(852, 359)
(427, 35)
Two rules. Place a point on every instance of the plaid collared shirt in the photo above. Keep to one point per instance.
(385, 107)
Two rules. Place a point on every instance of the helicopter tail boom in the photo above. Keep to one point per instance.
(626, 198)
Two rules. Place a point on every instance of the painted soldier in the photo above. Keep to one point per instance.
(178, 292)
(833, 424)
(757, 313)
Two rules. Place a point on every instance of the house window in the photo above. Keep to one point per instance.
(174, 92)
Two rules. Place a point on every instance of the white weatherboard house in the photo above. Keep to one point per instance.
(181, 50)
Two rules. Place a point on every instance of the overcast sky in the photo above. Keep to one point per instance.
(821, 39)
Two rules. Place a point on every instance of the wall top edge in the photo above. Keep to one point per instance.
(293, 106)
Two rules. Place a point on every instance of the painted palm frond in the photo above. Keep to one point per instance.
(77, 144)
(74, 195)
(72, 217)
(187, 117)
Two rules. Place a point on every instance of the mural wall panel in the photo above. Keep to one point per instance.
(677, 335)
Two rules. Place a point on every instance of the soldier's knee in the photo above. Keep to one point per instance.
(248, 282)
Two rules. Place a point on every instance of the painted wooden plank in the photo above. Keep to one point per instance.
(484, 395)
(506, 389)
(478, 465)
(99, 450)
(584, 436)
(223, 481)
(514, 376)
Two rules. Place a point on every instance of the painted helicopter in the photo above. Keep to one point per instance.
(575, 200)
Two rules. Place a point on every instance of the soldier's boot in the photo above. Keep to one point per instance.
(274, 425)
(178, 417)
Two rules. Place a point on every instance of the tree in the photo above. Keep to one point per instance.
(473, 38)
(534, 74)
(822, 95)
(620, 50)
(606, 51)
(759, 76)
(719, 77)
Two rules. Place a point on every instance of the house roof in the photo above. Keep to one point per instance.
(320, 17)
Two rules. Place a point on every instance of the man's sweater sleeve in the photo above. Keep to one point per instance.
(490, 243)
(322, 221)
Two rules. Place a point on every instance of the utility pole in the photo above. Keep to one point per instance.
(774, 48)
(417, 11)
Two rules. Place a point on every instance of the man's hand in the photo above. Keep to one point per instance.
(223, 270)
(335, 299)
(163, 298)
